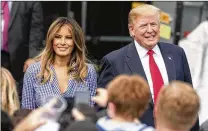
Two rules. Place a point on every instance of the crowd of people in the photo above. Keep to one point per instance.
(144, 86)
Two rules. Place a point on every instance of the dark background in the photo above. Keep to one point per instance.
(103, 19)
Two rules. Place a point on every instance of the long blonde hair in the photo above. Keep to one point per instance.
(9, 97)
(77, 66)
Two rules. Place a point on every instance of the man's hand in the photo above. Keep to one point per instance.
(101, 98)
(78, 116)
(32, 121)
(28, 62)
(35, 119)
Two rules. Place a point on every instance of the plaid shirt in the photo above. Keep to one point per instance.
(34, 92)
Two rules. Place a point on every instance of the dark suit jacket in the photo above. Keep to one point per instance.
(127, 61)
(25, 34)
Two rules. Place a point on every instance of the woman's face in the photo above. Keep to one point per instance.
(63, 44)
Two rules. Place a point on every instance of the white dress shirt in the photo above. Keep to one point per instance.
(144, 57)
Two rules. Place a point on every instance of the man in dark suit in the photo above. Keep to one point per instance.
(159, 63)
(22, 33)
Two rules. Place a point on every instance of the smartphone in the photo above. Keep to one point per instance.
(81, 97)
(70, 104)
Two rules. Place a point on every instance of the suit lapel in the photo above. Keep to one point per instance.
(169, 61)
(15, 7)
(134, 63)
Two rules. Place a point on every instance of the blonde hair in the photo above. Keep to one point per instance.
(177, 105)
(9, 97)
(130, 95)
(77, 66)
(143, 10)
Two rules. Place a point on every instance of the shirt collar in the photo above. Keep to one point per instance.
(143, 51)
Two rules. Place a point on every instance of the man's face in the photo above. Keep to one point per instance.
(146, 30)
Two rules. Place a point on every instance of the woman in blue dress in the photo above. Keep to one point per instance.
(61, 68)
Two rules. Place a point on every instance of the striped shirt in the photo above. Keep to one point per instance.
(106, 124)
(34, 92)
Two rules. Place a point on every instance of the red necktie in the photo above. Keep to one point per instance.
(156, 75)
(5, 7)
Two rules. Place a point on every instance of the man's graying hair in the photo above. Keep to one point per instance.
(143, 10)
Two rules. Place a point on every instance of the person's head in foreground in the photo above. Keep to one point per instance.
(177, 107)
(6, 122)
(9, 96)
(64, 42)
(128, 98)
(144, 25)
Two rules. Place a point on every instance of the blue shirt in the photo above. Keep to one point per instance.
(107, 124)
(34, 92)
